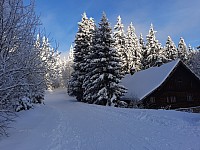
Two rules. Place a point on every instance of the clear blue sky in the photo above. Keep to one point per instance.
(177, 18)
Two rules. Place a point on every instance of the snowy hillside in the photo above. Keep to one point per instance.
(65, 124)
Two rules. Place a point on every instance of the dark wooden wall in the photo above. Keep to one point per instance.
(180, 90)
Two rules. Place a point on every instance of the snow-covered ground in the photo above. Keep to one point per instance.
(65, 124)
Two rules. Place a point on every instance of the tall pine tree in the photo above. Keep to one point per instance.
(103, 70)
(133, 50)
(154, 53)
(171, 50)
(119, 38)
(143, 50)
(81, 50)
(194, 63)
(182, 50)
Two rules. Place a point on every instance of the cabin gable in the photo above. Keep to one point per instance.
(179, 90)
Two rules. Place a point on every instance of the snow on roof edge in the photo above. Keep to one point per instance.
(178, 61)
(144, 82)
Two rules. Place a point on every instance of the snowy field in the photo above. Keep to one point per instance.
(64, 124)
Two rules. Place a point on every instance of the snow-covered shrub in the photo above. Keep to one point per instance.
(135, 104)
(38, 98)
(23, 104)
(122, 104)
(118, 103)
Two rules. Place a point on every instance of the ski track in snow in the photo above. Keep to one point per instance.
(64, 124)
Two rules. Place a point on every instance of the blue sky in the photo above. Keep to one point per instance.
(177, 18)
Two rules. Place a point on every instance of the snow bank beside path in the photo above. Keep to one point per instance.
(65, 124)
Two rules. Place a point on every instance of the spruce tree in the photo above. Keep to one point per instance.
(51, 61)
(171, 50)
(143, 51)
(182, 50)
(103, 72)
(141, 41)
(133, 50)
(67, 67)
(194, 63)
(119, 38)
(191, 53)
(155, 53)
(81, 50)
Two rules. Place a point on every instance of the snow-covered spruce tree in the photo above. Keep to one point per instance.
(119, 38)
(56, 75)
(103, 74)
(67, 69)
(155, 55)
(143, 50)
(194, 63)
(182, 50)
(191, 52)
(133, 50)
(171, 50)
(51, 62)
(141, 41)
(20, 68)
(81, 51)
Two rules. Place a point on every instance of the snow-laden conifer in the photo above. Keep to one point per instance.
(191, 52)
(67, 68)
(194, 62)
(155, 55)
(171, 50)
(141, 41)
(119, 38)
(182, 50)
(104, 75)
(143, 50)
(50, 61)
(81, 51)
(133, 50)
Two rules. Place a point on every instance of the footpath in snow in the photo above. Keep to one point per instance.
(65, 124)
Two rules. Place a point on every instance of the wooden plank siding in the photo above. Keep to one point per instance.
(181, 89)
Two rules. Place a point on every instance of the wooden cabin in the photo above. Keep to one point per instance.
(172, 85)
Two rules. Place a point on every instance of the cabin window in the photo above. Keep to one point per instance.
(152, 99)
(180, 83)
(189, 97)
(171, 85)
(168, 100)
(171, 99)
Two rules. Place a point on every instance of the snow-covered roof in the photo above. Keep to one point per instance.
(146, 81)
